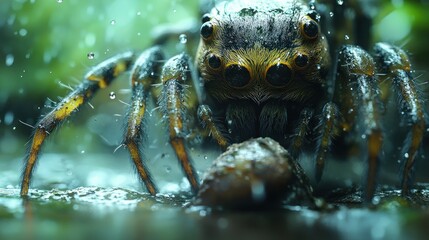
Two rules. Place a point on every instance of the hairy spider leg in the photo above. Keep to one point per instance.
(205, 116)
(177, 100)
(302, 129)
(394, 63)
(327, 131)
(99, 77)
(144, 74)
(358, 92)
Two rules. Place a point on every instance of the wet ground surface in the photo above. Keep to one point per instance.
(119, 209)
(109, 213)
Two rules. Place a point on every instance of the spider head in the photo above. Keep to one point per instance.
(273, 51)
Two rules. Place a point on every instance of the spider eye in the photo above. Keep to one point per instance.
(314, 15)
(206, 30)
(214, 61)
(301, 60)
(310, 29)
(206, 17)
(237, 76)
(278, 75)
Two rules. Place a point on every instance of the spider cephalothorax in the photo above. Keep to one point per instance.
(263, 69)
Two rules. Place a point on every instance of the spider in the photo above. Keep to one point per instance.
(262, 69)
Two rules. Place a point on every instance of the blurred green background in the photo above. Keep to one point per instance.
(45, 43)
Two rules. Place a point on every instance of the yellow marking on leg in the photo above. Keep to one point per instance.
(119, 68)
(38, 138)
(68, 107)
(144, 175)
(100, 80)
(182, 155)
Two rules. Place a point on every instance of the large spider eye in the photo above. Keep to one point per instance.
(310, 29)
(206, 30)
(279, 75)
(237, 76)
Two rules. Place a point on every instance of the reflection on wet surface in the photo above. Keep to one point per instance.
(109, 213)
(64, 203)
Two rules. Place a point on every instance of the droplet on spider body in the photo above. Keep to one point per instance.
(112, 95)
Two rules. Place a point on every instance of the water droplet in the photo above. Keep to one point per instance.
(205, 157)
(183, 38)
(376, 200)
(113, 22)
(14, 128)
(406, 155)
(112, 95)
(59, 1)
(331, 14)
(139, 13)
(340, 2)
(167, 169)
(90, 55)
(23, 32)
(346, 37)
(83, 151)
(203, 213)
(9, 60)
(8, 118)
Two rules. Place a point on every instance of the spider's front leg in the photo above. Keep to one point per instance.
(144, 74)
(177, 100)
(393, 62)
(99, 77)
(357, 93)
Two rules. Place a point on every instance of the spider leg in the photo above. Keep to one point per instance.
(302, 130)
(327, 127)
(206, 117)
(175, 102)
(357, 91)
(99, 77)
(144, 73)
(394, 63)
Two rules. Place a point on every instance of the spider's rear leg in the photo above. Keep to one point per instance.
(99, 77)
(357, 93)
(177, 100)
(393, 62)
(144, 73)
